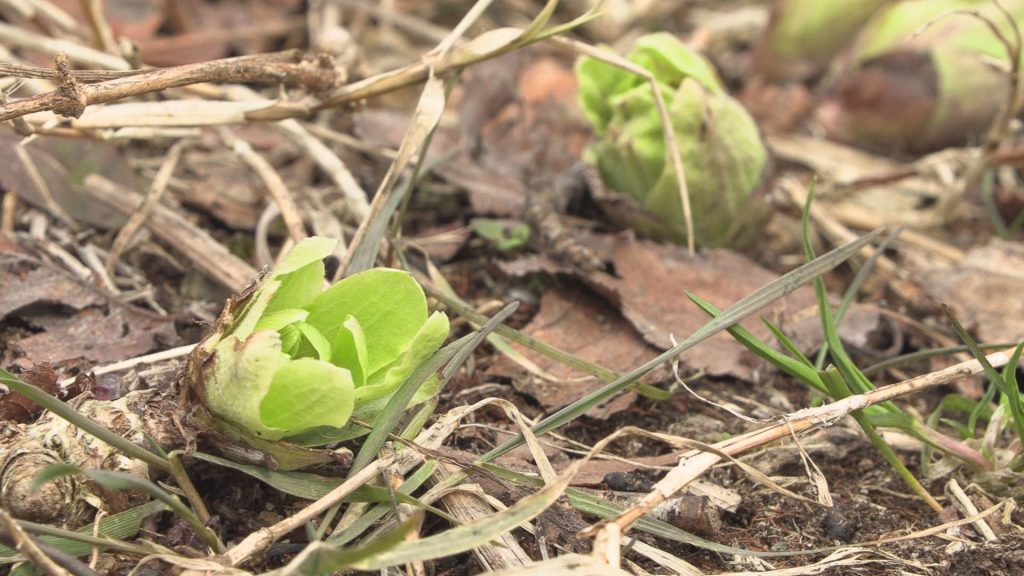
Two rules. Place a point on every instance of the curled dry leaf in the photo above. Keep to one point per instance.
(16, 408)
(520, 129)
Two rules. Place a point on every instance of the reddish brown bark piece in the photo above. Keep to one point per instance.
(984, 290)
(16, 408)
(576, 321)
(651, 288)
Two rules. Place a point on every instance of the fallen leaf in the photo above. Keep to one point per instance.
(650, 287)
(576, 321)
(491, 191)
(69, 320)
(61, 163)
(984, 290)
(505, 146)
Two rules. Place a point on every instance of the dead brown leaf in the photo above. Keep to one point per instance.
(492, 192)
(984, 290)
(576, 321)
(16, 408)
(218, 182)
(61, 164)
(70, 320)
(519, 129)
(651, 284)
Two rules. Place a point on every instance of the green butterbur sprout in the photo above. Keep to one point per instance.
(292, 356)
(921, 76)
(720, 144)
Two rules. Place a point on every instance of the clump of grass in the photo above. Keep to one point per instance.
(842, 378)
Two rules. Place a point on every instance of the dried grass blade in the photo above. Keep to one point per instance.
(363, 248)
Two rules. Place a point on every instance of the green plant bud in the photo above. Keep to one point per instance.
(920, 77)
(804, 36)
(720, 144)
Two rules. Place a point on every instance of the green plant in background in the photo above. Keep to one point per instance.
(505, 235)
(291, 356)
(721, 148)
(804, 36)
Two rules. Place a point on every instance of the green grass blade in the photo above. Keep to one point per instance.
(322, 558)
(81, 542)
(802, 370)
(314, 486)
(833, 378)
(1011, 394)
(851, 291)
(929, 353)
(786, 342)
(594, 505)
(745, 307)
(851, 375)
(368, 518)
(123, 481)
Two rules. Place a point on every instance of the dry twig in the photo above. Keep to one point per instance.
(286, 68)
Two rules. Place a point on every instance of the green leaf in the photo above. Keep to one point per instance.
(350, 350)
(275, 321)
(293, 283)
(429, 338)
(389, 305)
(298, 288)
(315, 340)
(247, 320)
(306, 252)
(503, 234)
(307, 393)
(292, 341)
(719, 143)
(671, 61)
(597, 82)
(242, 375)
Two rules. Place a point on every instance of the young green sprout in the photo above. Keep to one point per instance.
(297, 356)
